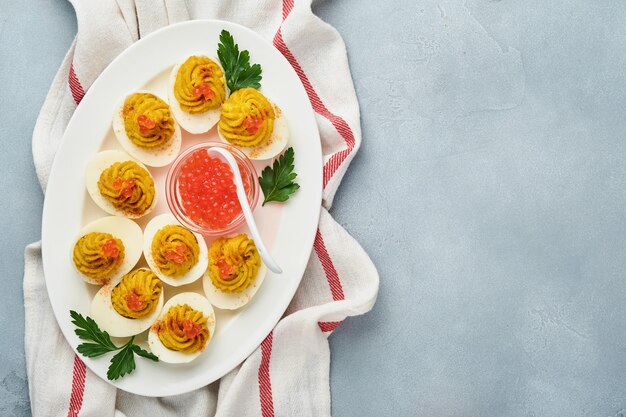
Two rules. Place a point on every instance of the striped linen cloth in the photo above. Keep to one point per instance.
(288, 374)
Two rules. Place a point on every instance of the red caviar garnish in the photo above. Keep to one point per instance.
(225, 269)
(110, 249)
(203, 90)
(178, 255)
(145, 123)
(191, 329)
(252, 124)
(207, 190)
(126, 186)
(134, 301)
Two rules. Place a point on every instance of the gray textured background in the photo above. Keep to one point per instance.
(489, 191)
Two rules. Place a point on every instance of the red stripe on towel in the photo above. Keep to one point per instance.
(329, 269)
(75, 86)
(78, 387)
(287, 6)
(318, 105)
(265, 383)
(328, 326)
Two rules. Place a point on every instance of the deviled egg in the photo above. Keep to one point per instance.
(253, 124)
(176, 254)
(120, 185)
(106, 249)
(184, 328)
(130, 305)
(196, 91)
(235, 272)
(146, 129)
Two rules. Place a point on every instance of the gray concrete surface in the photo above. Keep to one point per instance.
(490, 192)
(34, 37)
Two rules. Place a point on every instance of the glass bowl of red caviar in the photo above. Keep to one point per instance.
(201, 192)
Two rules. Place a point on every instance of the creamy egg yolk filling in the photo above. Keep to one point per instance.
(98, 255)
(137, 294)
(233, 263)
(175, 250)
(199, 85)
(247, 118)
(128, 187)
(183, 329)
(147, 120)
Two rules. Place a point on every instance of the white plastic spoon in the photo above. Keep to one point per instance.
(247, 212)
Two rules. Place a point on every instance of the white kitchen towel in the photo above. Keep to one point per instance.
(288, 374)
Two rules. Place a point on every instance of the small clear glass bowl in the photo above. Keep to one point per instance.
(174, 200)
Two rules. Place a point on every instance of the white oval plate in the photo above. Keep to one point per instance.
(288, 229)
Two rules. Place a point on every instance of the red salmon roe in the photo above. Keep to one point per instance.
(110, 249)
(203, 90)
(191, 329)
(177, 256)
(252, 124)
(145, 123)
(134, 301)
(225, 269)
(126, 186)
(208, 192)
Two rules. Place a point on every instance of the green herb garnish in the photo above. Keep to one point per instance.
(277, 181)
(123, 362)
(237, 69)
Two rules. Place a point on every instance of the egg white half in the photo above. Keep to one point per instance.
(190, 276)
(98, 163)
(109, 320)
(154, 157)
(121, 228)
(276, 143)
(232, 301)
(192, 122)
(195, 301)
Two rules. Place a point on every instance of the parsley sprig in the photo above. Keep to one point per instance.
(123, 362)
(277, 181)
(237, 69)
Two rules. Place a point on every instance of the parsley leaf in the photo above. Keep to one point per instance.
(237, 69)
(123, 362)
(89, 330)
(144, 353)
(277, 182)
(93, 350)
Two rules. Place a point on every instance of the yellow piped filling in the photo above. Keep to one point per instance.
(247, 118)
(147, 120)
(128, 187)
(92, 261)
(199, 85)
(233, 263)
(183, 329)
(137, 294)
(175, 250)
